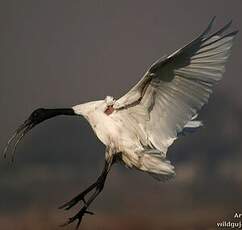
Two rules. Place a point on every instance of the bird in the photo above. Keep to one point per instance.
(138, 128)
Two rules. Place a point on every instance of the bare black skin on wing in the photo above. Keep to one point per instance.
(38, 116)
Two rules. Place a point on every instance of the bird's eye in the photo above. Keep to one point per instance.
(36, 114)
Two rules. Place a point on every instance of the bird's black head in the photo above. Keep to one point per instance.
(40, 115)
(36, 117)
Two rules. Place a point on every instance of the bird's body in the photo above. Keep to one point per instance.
(138, 128)
(119, 132)
(102, 124)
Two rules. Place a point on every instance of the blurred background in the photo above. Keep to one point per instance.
(60, 53)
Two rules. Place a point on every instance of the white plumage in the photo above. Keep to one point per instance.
(147, 119)
(138, 128)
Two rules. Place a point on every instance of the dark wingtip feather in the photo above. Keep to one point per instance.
(234, 32)
(209, 27)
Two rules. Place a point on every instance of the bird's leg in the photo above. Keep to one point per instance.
(98, 186)
(79, 197)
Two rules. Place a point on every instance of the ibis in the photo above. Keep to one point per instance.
(138, 128)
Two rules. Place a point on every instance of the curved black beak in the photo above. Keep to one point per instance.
(36, 117)
(19, 133)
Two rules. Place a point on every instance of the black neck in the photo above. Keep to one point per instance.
(64, 111)
(49, 113)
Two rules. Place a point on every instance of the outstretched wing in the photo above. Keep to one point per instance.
(176, 87)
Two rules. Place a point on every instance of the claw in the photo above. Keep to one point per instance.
(84, 201)
(97, 187)
(77, 217)
(68, 205)
(90, 213)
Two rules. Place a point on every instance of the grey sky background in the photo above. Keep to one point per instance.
(61, 53)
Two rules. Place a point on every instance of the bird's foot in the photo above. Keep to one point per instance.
(94, 189)
(78, 217)
(97, 187)
(68, 205)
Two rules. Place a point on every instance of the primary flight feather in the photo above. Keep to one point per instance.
(138, 128)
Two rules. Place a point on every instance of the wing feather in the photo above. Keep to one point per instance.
(175, 88)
